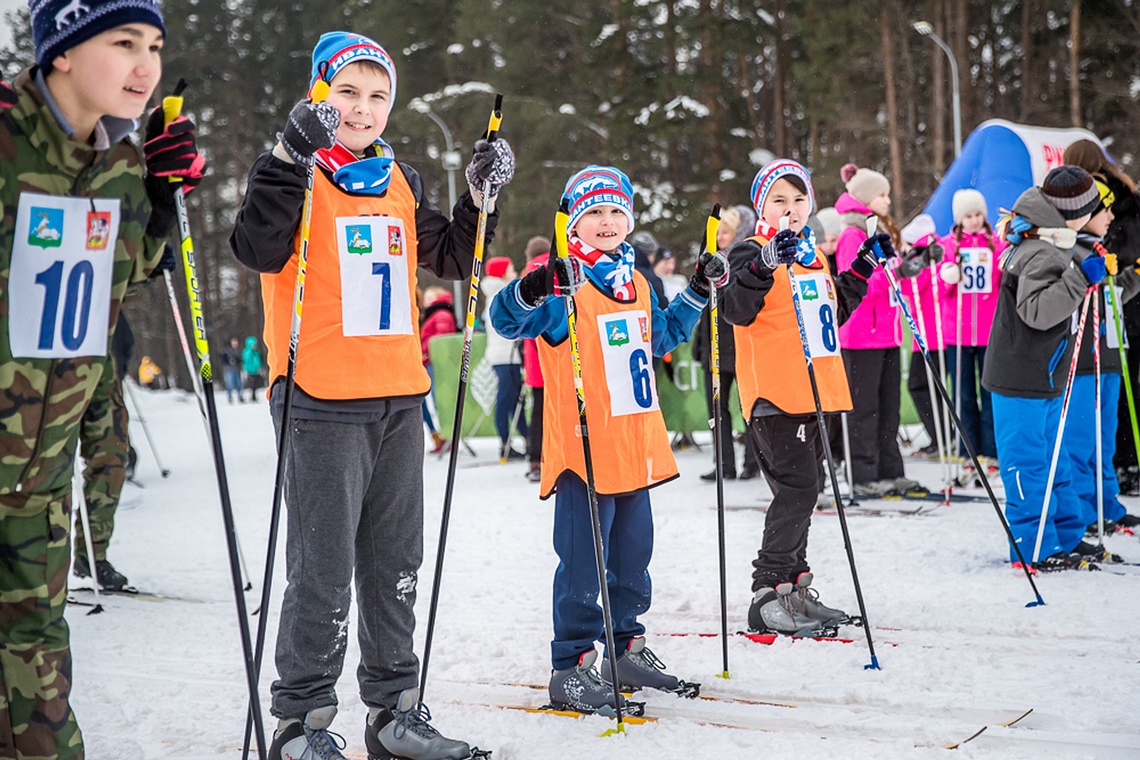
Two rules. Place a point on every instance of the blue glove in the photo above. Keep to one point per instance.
(1094, 268)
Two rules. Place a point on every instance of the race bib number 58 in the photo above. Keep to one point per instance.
(628, 356)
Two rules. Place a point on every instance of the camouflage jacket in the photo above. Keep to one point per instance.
(42, 400)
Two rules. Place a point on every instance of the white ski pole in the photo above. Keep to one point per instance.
(81, 503)
(847, 462)
(142, 421)
(1099, 447)
(940, 409)
(958, 373)
(938, 438)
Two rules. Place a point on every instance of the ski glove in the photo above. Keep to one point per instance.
(491, 161)
(559, 277)
(311, 127)
(1095, 268)
(1111, 264)
(168, 261)
(170, 150)
(712, 269)
(780, 251)
(8, 97)
(878, 247)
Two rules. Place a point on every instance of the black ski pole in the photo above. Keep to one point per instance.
(464, 367)
(822, 432)
(171, 108)
(872, 225)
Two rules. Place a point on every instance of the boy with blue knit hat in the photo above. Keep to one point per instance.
(84, 213)
(620, 327)
(354, 468)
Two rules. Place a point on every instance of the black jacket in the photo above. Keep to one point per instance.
(1129, 282)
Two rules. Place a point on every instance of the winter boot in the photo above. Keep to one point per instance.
(639, 668)
(534, 474)
(1062, 561)
(109, 578)
(874, 490)
(405, 733)
(775, 610)
(807, 601)
(307, 738)
(581, 688)
(907, 486)
(1095, 553)
(439, 444)
(710, 476)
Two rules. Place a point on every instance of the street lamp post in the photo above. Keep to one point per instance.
(926, 30)
(451, 161)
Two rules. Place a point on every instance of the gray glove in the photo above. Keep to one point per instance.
(491, 161)
(780, 250)
(311, 127)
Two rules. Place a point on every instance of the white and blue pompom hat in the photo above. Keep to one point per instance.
(598, 186)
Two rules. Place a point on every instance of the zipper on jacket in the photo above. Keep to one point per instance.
(39, 430)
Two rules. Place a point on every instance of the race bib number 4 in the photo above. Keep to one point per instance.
(628, 356)
(977, 270)
(375, 297)
(63, 258)
(818, 304)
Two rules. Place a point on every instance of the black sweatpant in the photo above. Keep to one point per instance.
(788, 449)
(922, 394)
(534, 440)
(727, 450)
(874, 375)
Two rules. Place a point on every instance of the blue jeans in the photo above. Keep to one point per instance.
(1080, 444)
(428, 419)
(627, 535)
(978, 424)
(510, 386)
(233, 384)
(1026, 429)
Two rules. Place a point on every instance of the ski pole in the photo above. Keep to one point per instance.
(849, 467)
(176, 312)
(1097, 425)
(939, 407)
(562, 250)
(871, 225)
(146, 429)
(958, 375)
(81, 502)
(171, 108)
(939, 439)
(711, 227)
(493, 124)
(1061, 425)
(1118, 332)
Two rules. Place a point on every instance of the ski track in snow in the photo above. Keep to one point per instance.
(166, 679)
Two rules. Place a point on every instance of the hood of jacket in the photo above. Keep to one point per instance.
(1033, 207)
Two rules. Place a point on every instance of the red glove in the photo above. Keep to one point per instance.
(8, 96)
(171, 151)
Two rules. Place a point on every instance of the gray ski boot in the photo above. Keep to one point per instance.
(775, 610)
(639, 668)
(582, 689)
(807, 601)
(404, 733)
(307, 738)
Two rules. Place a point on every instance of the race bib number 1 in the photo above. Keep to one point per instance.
(375, 297)
(628, 356)
(818, 304)
(977, 270)
(63, 258)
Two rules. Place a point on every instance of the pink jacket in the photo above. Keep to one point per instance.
(532, 373)
(875, 323)
(925, 313)
(977, 308)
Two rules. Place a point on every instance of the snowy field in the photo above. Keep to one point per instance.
(958, 648)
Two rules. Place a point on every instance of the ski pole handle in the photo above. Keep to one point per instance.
(784, 222)
(712, 226)
(496, 118)
(319, 92)
(171, 110)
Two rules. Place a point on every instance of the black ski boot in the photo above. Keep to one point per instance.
(308, 737)
(1096, 553)
(1062, 561)
(582, 689)
(807, 600)
(405, 733)
(639, 668)
(109, 578)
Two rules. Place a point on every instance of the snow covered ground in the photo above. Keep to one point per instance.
(957, 646)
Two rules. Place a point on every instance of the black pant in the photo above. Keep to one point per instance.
(874, 375)
(727, 450)
(922, 394)
(534, 440)
(788, 449)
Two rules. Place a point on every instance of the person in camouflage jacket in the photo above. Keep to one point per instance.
(54, 149)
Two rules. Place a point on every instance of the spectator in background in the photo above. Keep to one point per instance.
(150, 374)
(505, 356)
(665, 267)
(827, 233)
(437, 318)
(537, 254)
(251, 363)
(231, 367)
(644, 249)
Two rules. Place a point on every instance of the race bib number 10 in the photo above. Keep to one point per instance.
(818, 304)
(63, 258)
(375, 297)
(977, 270)
(628, 356)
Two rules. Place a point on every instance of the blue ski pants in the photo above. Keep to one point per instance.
(1080, 443)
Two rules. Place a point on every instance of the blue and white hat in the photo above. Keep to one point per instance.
(774, 170)
(338, 49)
(60, 25)
(599, 186)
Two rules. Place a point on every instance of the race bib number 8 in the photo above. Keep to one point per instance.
(63, 258)
(977, 270)
(818, 304)
(375, 297)
(628, 356)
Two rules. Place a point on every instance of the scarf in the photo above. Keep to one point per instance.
(609, 271)
(805, 244)
(369, 175)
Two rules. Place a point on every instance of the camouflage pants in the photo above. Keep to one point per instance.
(36, 721)
(105, 449)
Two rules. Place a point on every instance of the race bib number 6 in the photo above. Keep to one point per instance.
(63, 258)
(375, 297)
(628, 356)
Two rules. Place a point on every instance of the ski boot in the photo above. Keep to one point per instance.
(908, 487)
(806, 600)
(1062, 561)
(774, 610)
(1096, 553)
(405, 732)
(108, 577)
(307, 737)
(581, 689)
(639, 668)
(534, 474)
(877, 489)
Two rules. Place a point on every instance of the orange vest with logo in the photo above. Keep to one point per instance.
(770, 360)
(338, 356)
(629, 445)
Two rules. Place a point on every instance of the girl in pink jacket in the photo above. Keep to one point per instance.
(970, 278)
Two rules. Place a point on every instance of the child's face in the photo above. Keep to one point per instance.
(114, 73)
(361, 93)
(724, 236)
(827, 246)
(785, 199)
(881, 204)
(603, 227)
(1098, 225)
(1079, 223)
(973, 222)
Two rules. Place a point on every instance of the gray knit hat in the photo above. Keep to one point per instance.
(1070, 190)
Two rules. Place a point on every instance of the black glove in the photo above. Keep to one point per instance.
(8, 97)
(780, 251)
(168, 260)
(311, 127)
(878, 247)
(935, 252)
(712, 268)
(493, 161)
(559, 277)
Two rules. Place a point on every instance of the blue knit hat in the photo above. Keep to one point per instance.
(599, 186)
(774, 170)
(59, 25)
(338, 49)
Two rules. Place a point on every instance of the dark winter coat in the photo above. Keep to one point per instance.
(1126, 279)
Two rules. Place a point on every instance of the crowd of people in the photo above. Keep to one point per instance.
(812, 329)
